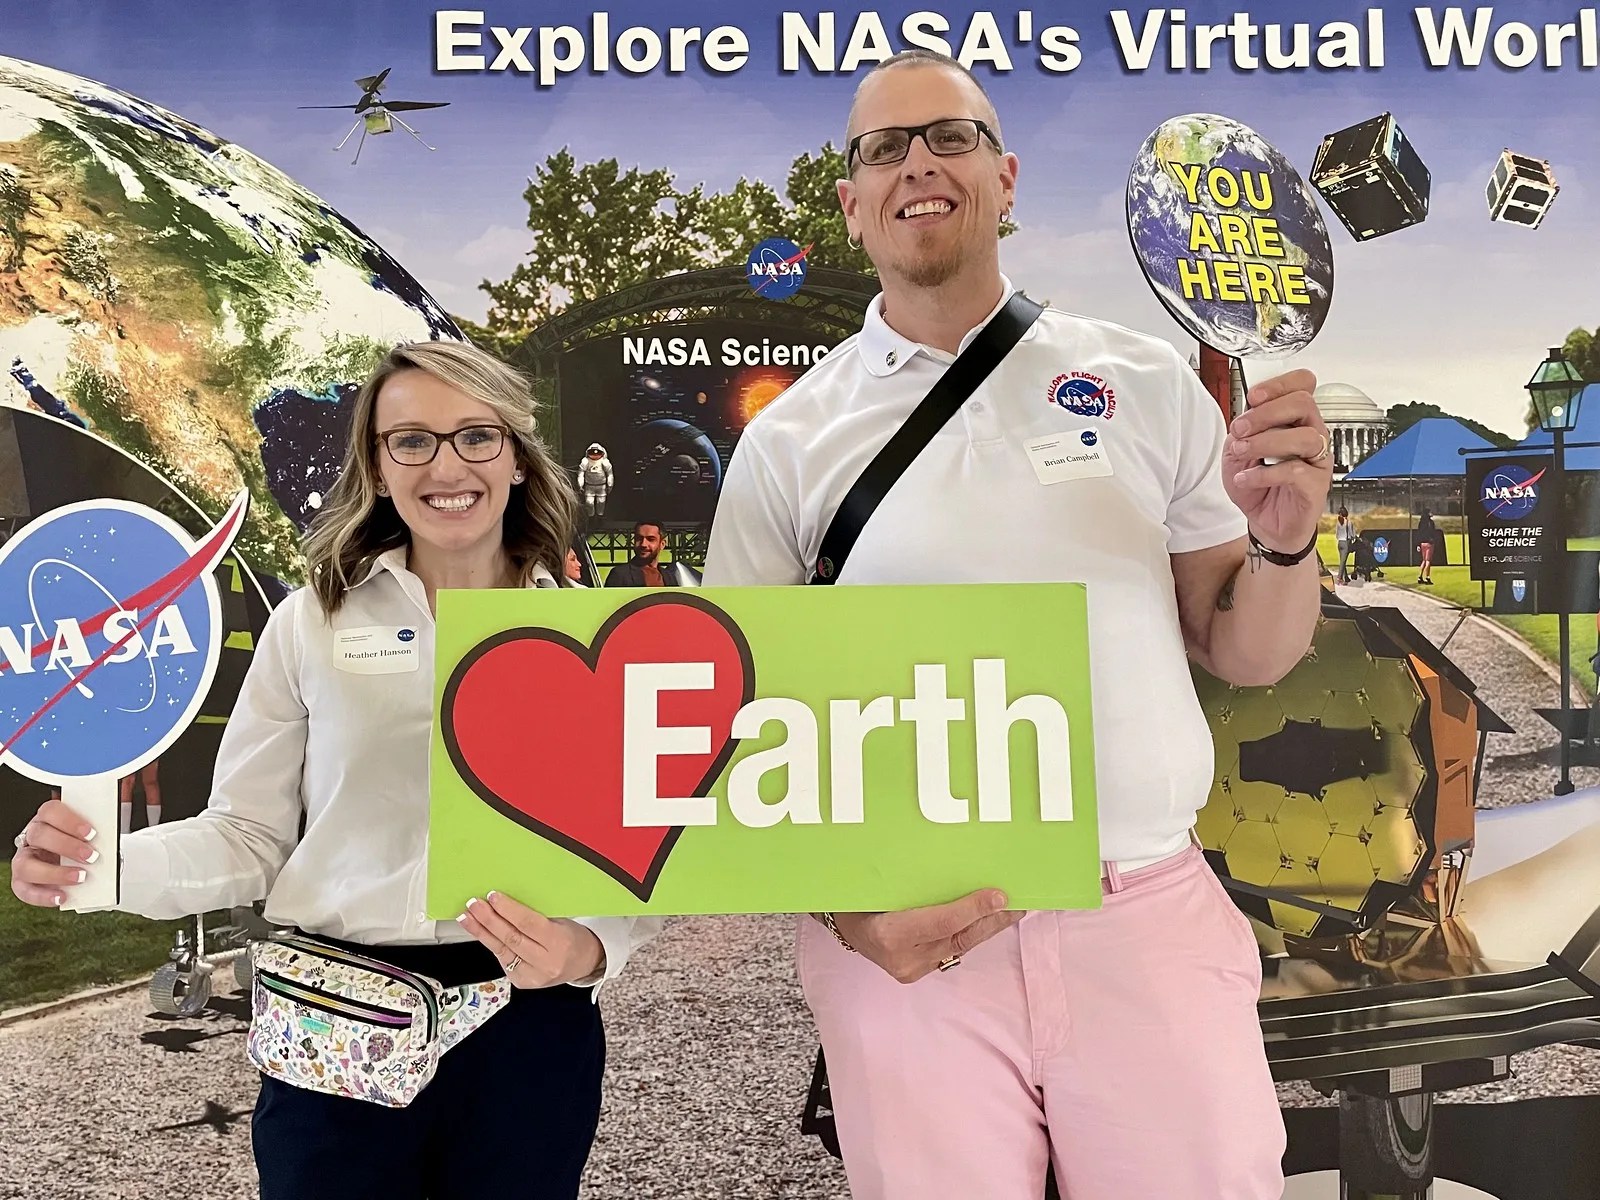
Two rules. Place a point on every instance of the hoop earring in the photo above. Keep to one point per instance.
(851, 242)
(383, 489)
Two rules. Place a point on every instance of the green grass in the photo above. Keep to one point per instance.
(49, 954)
(1540, 630)
(1455, 585)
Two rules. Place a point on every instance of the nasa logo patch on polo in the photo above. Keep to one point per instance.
(1083, 394)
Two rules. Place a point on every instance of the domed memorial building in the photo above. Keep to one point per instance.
(1356, 425)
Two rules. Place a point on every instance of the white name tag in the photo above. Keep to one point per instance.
(1063, 456)
(376, 649)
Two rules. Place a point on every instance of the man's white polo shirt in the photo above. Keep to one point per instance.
(972, 509)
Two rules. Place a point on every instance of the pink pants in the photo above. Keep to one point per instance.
(1122, 1043)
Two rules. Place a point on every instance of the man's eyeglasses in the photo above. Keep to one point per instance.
(954, 135)
(416, 447)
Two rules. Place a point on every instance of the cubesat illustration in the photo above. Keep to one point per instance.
(1343, 795)
(1521, 189)
(1372, 178)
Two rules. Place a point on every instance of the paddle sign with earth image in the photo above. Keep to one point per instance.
(110, 633)
(616, 752)
(1230, 238)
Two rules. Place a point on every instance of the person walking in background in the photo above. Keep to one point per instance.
(1344, 533)
(1427, 531)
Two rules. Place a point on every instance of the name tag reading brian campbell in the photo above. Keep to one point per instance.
(1063, 456)
(376, 649)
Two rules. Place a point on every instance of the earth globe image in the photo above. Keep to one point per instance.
(175, 295)
(1253, 307)
(677, 466)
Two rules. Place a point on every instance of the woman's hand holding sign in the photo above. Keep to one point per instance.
(535, 951)
(918, 941)
(1283, 500)
(38, 876)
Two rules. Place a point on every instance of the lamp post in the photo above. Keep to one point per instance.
(1557, 390)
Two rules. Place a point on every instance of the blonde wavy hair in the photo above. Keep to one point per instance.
(355, 524)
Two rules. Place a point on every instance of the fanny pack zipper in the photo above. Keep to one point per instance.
(338, 1006)
(382, 968)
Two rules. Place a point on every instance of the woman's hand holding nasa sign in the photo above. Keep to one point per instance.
(110, 632)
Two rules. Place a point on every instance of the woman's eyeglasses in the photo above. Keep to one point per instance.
(417, 447)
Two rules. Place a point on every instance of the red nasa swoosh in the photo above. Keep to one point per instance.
(157, 596)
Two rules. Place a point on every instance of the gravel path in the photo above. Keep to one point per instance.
(710, 1042)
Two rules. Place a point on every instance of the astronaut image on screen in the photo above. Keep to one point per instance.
(594, 480)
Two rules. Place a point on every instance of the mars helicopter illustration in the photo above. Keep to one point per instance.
(375, 115)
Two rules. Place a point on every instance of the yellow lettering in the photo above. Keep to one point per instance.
(1193, 274)
(1294, 285)
(1226, 196)
(1269, 242)
(1200, 235)
(1235, 234)
(1188, 175)
(1263, 284)
(1230, 280)
(1263, 201)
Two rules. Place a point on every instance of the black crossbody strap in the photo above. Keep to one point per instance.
(971, 367)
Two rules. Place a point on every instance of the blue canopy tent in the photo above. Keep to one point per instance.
(1426, 458)
(1431, 448)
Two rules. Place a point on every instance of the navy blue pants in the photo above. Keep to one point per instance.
(511, 1112)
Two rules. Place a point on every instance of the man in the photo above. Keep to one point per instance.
(966, 1045)
(643, 569)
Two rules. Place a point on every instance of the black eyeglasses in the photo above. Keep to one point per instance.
(416, 447)
(954, 135)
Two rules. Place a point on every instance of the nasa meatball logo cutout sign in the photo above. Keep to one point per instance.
(110, 633)
(1229, 237)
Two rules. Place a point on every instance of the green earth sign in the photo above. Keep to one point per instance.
(622, 751)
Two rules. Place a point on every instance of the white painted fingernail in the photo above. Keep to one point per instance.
(94, 857)
(82, 875)
(91, 835)
(462, 919)
(59, 901)
(492, 895)
(471, 902)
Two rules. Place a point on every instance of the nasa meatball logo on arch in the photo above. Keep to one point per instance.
(776, 268)
(110, 633)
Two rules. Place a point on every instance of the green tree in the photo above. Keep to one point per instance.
(597, 228)
(1403, 416)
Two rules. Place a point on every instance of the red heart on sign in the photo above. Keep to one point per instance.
(533, 721)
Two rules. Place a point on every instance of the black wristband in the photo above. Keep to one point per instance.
(1277, 556)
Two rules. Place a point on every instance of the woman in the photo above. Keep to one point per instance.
(445, 485)
(1427, 532)
(1344, 534)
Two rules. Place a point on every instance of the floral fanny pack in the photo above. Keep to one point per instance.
(348, 1025)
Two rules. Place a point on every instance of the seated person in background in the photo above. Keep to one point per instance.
(644, 568)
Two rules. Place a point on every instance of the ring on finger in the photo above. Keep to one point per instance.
(21, 840)
(953, 961)
(1323, 453)
(516, 961)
